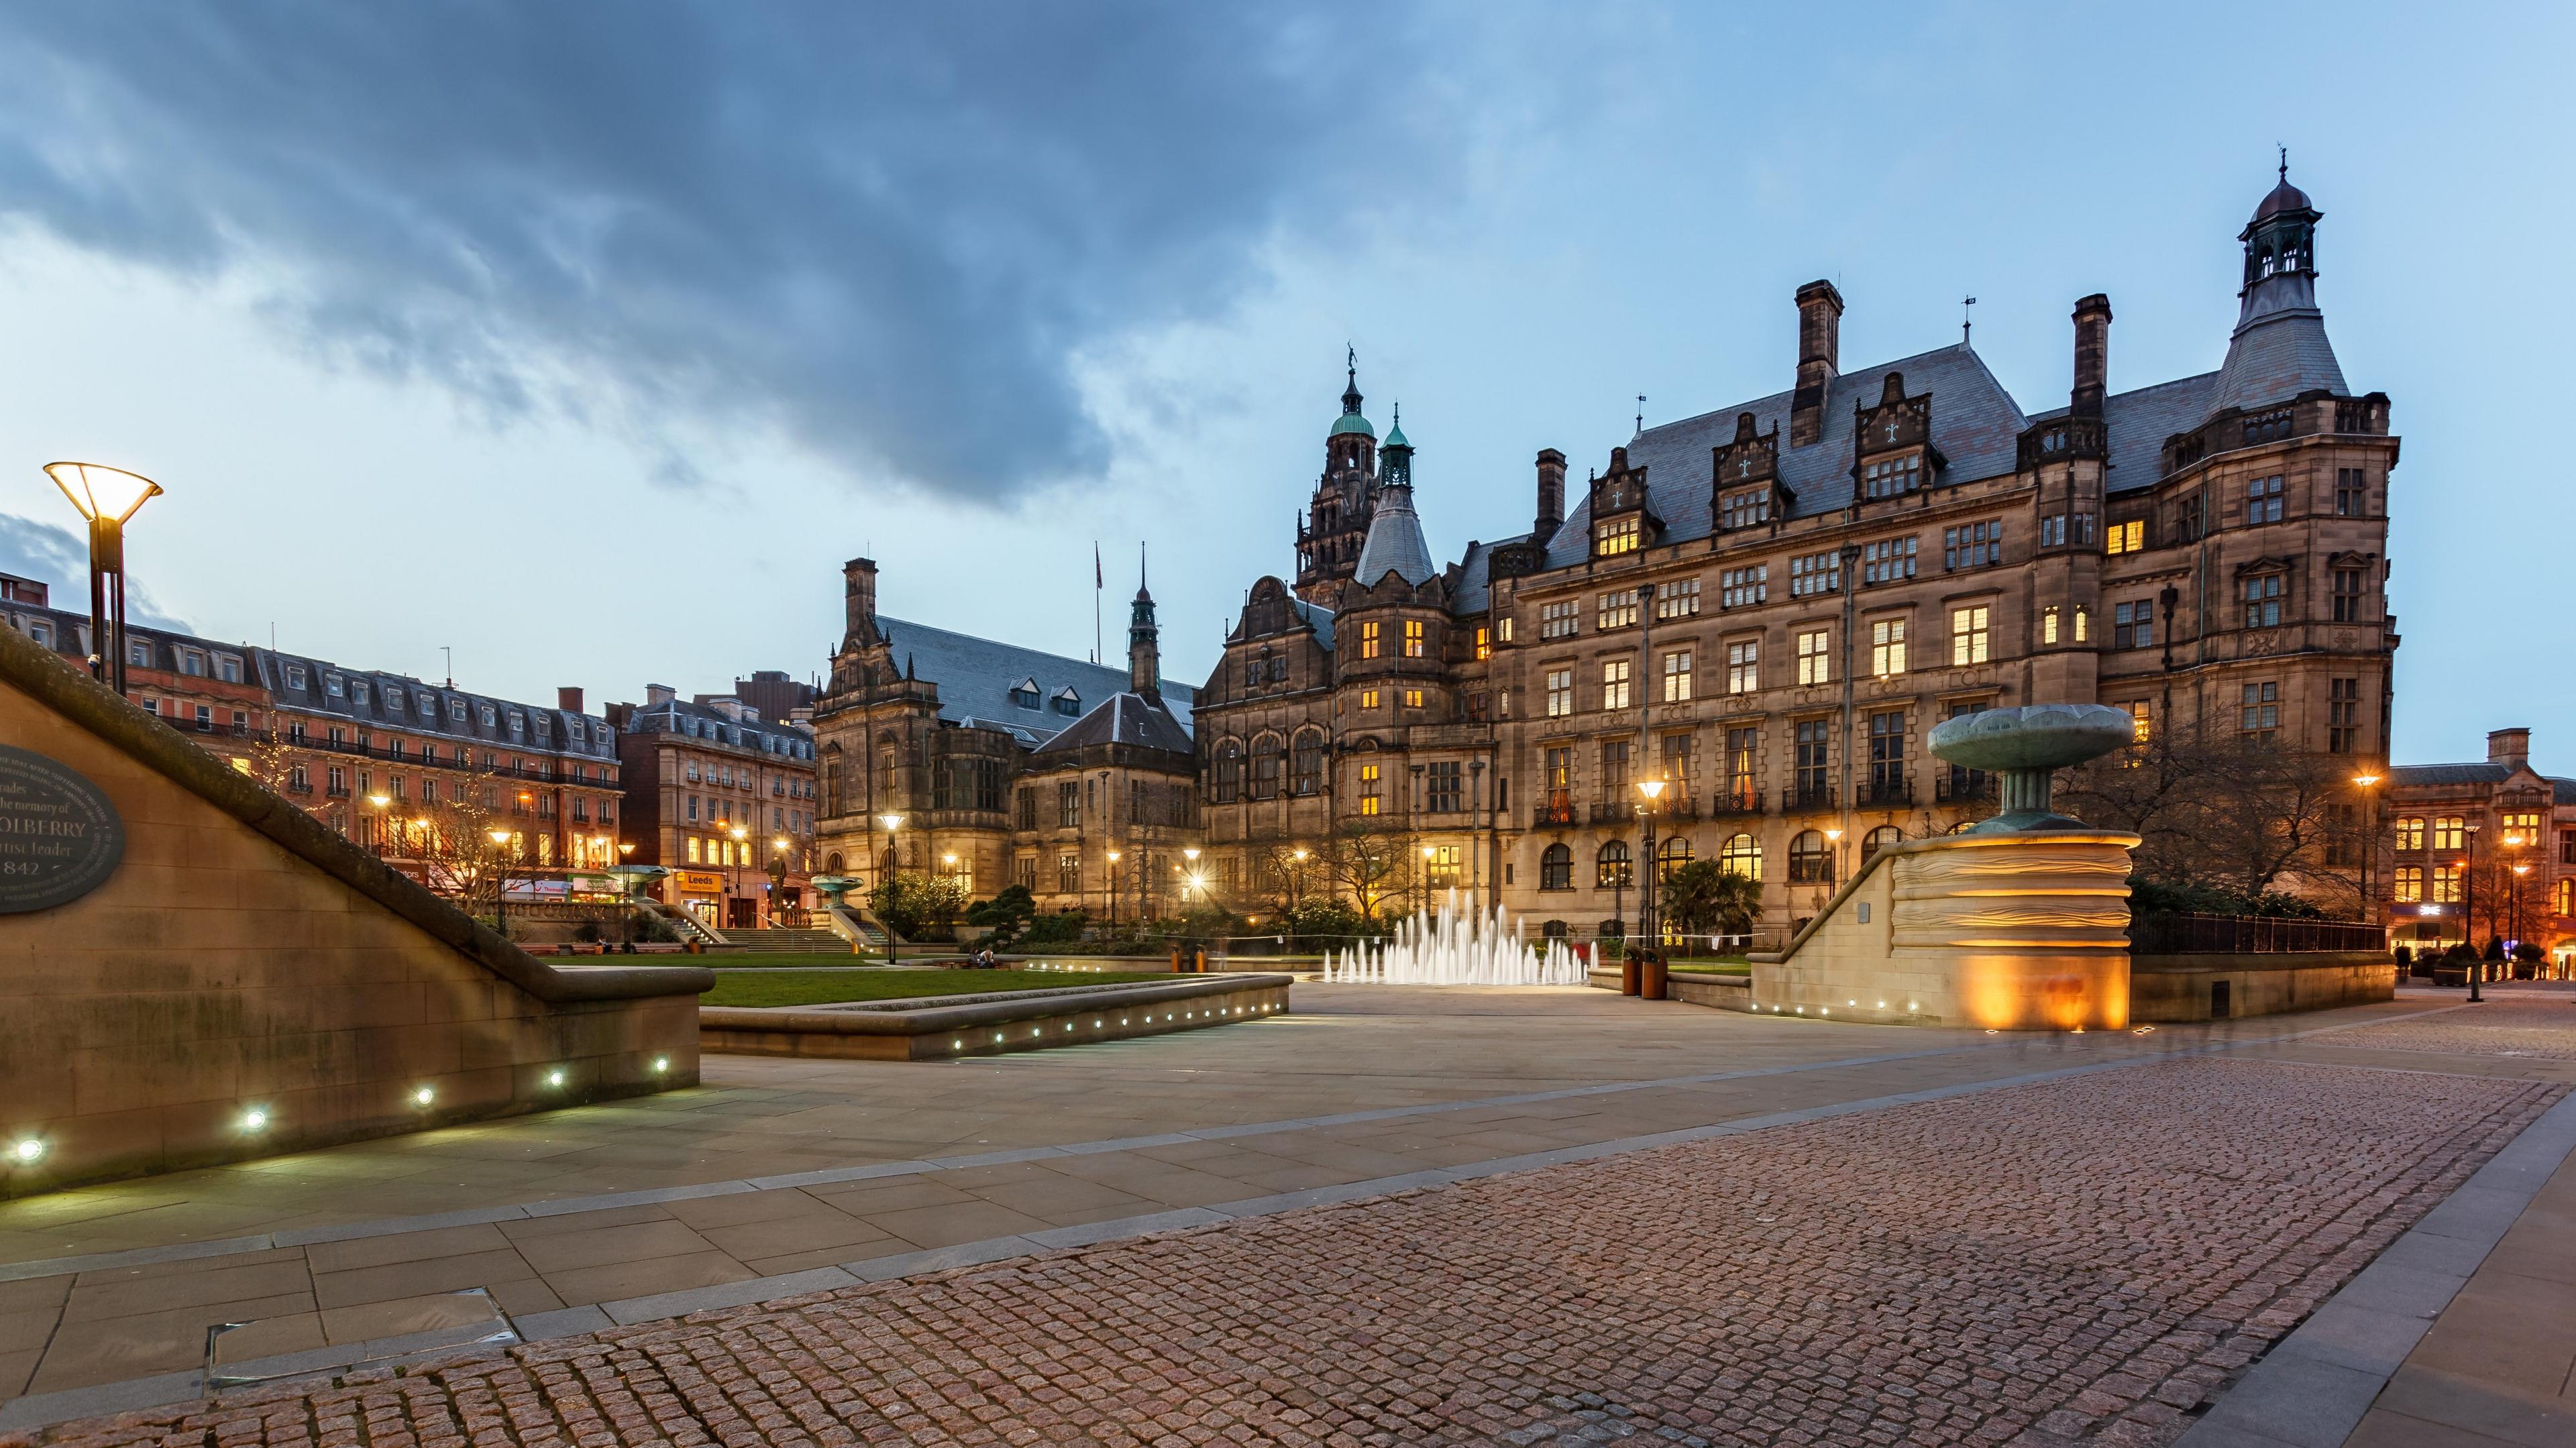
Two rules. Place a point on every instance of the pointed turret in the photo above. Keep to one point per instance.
(1394, 542)
(1144, 649)
(2279, 349)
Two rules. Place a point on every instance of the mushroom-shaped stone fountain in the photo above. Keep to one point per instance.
(2026, 747)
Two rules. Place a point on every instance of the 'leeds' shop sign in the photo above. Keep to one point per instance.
(59, 836)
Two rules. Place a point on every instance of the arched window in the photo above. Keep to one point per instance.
(1306, 774)
(832, 863)
(1228, 784)
(1879, 839)
(1810, 861)
(1556, 869)
(1676, 853)
(1742, 855)
(1269, 761)
(1613, 867)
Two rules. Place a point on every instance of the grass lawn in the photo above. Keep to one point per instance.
(820, 987)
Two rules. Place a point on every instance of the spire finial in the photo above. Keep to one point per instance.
(1641, 413)
(1140, 565)
(1351, 353)
(1399, 414)
(2285, 161)
(1965, 318)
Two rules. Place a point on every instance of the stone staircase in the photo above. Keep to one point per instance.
(811, 939)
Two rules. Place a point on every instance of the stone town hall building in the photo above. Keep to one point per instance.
(1768, 605)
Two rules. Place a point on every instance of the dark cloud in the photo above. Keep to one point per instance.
(59, 559)
(888, 231)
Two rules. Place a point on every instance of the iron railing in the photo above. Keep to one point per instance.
(2168, 932)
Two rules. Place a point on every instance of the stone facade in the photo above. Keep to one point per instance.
(723, 798)
(1769, 605)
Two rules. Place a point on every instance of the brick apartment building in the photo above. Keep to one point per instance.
(723, 798)
(385, 759)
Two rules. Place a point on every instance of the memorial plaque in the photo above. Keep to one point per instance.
(59, 836)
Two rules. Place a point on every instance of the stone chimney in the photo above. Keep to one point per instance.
(1551, 494)
(859, 602)
(1820, 325)
(2092, 355)
(2509, 747)
(657, 695)
(568, 700)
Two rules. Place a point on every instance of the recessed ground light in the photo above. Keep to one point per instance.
(27, 1151)
(255, 1119)
(424, 1096)
(1824, 1010)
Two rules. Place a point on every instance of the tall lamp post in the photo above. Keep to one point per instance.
(1648, 925)
(2469, 915)
(886, 876)
(1113, 889)
(106, 498)
(500, 881)
(1190, 878)
(1429, 854)
(2369, 844)
(777, 875)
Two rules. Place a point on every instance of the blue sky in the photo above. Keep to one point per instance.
(589, 341)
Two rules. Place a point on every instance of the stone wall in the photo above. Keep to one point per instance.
(246, 982)
(2178, 987)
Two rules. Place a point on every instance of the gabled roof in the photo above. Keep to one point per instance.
(2561, 791)
(2140, 420)
(975, 678)
(1476, 576)
(1975, 425)
(1125, 717)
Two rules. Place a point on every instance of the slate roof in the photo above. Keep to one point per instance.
(1125, 717)
(704, 721)
(2561, 791)
(2140, 421)
(369, 697)
(1476, 578)
(975, 677)
(1316, 615)
(1975, 425)
(1394, 543)
(2275, 356)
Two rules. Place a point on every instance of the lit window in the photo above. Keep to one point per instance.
(2410, 833)
(1560, 693)
(2409, 884)
(2048, 624)
(2083, 624)
(1815, 661)
(2128, 537)
(1484, 643)
(1368, 698)
(1743, 667)
(2450, 832)
(1615, 535)
(1968, 635)
(1413, 638)
(1614, 684)
(2142, 723)
(1618, 609)
(2446, 884)
(1742, 855)
(1368, 640)
(1413, 698)
(1677, 677)
(693, 850)
(1369, 783)
(1887, 647)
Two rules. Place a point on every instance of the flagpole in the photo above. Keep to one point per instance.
(1098, 642)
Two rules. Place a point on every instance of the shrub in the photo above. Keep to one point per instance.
(2528, 951)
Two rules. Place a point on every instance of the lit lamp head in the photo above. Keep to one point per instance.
(740, 833)
(781, 842)
(1833, 836)
(1113, 857)
(380, 800)
(1298, 854)
(103, 494)
(499, 837)
(2365, 780)
(892, 822)
(1652, 789)
(1189, 852)
(950, 860)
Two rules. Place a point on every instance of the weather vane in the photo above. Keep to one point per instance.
(1965, 318)
(1641, 413)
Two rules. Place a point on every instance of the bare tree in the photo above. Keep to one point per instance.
(2219, 809)
(1369, 863)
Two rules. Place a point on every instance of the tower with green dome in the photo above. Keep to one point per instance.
(1336, 523)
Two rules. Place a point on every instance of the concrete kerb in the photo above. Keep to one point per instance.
(45, 1409)
(2311, 1390)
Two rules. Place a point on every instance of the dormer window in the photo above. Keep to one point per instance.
(1745, 509)
(1024, 694)
(333, 686)
(295, 676)
(394, 700)
(358, 691)
(456, 710)
(1613, 536)
(1068, 703)
(1892, 477)
(490, 716)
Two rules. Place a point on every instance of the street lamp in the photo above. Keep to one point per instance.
(1113, 889)
(886, 876)
(1428, 854)
(2369, 843)
(380, 801)
(1834, 837)
(1190, 876)
(1647, 924)
(741, 847)
(106, 498)
(500, 882)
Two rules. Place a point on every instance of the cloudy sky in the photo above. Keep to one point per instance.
(588, 340)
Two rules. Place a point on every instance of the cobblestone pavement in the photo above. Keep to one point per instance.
(2085, 1259)
(2531, 1026)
